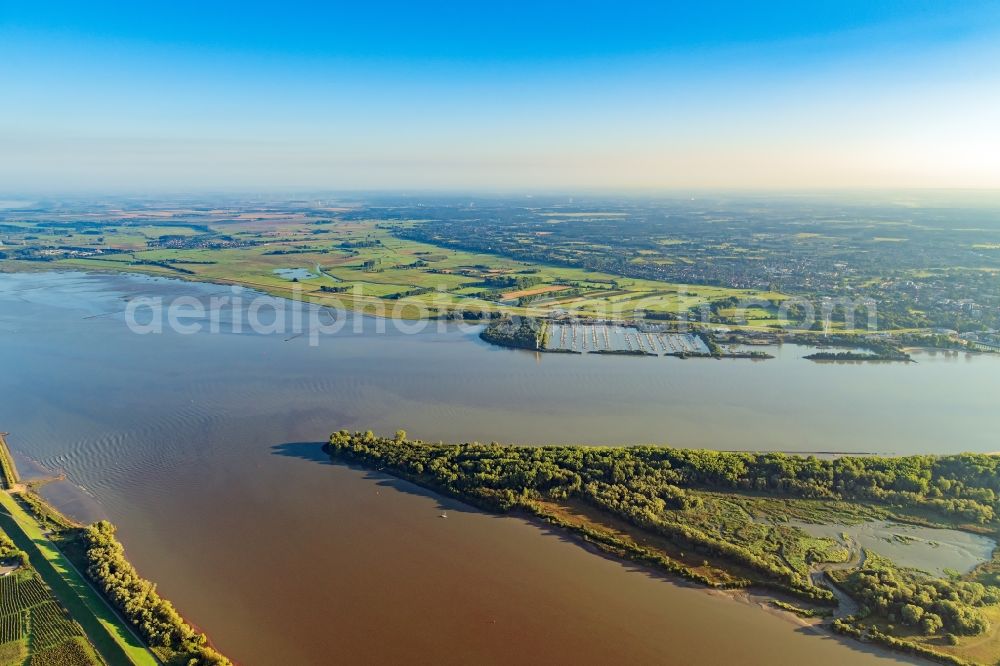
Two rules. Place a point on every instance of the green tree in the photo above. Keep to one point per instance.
(912, 614)
(930, 624)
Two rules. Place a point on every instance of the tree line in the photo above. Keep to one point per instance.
(155, 618)
(930, 605)
(682, 494)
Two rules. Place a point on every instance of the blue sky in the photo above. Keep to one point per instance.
(449, 95)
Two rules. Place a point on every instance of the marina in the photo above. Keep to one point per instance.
(619, 339)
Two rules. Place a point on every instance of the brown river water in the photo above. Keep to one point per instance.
(204, 450)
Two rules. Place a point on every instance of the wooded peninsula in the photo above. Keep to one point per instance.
(742, 520)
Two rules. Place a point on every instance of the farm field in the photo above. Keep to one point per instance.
(90, 612)
(363, 265)
(773, 271)
(34, 624)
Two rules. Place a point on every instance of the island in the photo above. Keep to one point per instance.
(857, 356)
(863, 350)
(871, 547)
(518, 333)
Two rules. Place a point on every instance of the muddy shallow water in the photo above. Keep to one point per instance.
(931, 550)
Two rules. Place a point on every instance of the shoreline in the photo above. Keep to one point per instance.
(46, 532)
(758, 597)
(369, 306)
(561, 489)
(168, 278)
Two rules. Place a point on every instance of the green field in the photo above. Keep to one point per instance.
(632, 259)
(407, 267)
(33, 622)
(375, 266)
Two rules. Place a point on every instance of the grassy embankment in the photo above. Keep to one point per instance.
(109, 634)
(8, 470)
(112, 637)
(87, 570)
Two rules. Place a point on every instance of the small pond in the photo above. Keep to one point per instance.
(932, 550)
(295, 273)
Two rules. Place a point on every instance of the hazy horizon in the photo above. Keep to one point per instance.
(443, 97)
